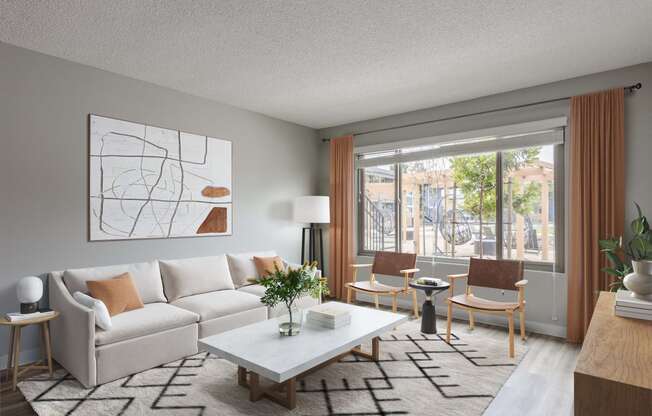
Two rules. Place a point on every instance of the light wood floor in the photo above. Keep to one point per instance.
(541, 385)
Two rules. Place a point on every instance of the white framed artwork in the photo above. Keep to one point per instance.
(152, 182)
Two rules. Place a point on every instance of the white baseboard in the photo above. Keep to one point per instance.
(26, 356)
(530, 326)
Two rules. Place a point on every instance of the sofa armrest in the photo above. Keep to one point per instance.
(73, 333)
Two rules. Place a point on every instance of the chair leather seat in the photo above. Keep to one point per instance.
(474, 302)
(367, 286)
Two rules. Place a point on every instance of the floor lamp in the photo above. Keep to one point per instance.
(312, 210)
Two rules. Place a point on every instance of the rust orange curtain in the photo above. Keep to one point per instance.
(597, 192)
(341, 227)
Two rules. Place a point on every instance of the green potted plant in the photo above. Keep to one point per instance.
(638, 277)
(286, 286)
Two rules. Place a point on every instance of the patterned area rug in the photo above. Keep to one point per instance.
(417, 375)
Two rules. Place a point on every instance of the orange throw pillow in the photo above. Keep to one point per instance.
(265, 265)
(119, 294)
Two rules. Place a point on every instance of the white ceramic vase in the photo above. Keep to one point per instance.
(640, 281)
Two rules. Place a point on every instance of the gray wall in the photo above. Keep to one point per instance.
(546, 293)
(44, 109)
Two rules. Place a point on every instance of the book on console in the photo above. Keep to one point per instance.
(624, 298)
(640, 311)
(634, 315)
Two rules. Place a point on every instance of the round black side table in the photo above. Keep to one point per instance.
(428, 319)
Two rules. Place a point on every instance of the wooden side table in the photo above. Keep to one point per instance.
(14, 345)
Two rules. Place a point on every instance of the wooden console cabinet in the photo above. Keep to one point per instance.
(613, 375)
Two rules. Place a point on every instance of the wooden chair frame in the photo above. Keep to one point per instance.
(509, 312)
(384, 290)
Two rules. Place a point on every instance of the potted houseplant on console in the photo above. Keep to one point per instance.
(286, 286)
(639, 250)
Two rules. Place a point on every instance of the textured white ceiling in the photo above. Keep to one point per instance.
(322, 63)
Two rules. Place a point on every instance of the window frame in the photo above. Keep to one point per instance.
(557, 266)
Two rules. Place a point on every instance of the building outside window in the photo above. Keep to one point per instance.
(491, 203)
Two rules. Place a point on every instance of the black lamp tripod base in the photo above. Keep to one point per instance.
(314, 234)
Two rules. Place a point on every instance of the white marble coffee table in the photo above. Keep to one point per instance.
(259, 350)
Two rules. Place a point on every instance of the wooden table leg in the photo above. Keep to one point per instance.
(16, 356)
(10, 355)
(275, 393)
(255, 392)
(242, 376)
(375, 348)
(48, 349)
(291, 393)
(510, 321)
(44, 350)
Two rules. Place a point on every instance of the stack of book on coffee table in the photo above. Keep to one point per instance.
(631, 307)
(329, 315)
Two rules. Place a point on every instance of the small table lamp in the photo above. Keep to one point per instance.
(313, 210)
(29, 291)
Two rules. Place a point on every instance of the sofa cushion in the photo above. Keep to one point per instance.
(243, 268)
(256, 289)
(217, 304)
(153, 318)
(185, 277)
(147, 278)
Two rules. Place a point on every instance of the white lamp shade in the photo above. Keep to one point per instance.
(312, 209)
(29, 289)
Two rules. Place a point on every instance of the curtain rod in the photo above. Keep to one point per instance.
(629, 88)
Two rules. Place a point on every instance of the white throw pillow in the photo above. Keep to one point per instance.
(243, 268)
(102, 317)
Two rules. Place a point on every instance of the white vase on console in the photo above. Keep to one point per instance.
(640, 281)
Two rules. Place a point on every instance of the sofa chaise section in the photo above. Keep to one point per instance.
(133, 343)
(223, 310)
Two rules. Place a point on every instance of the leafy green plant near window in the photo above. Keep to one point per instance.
(639, 248)
(286, 286)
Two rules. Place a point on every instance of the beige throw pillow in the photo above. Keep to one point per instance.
(118, 294)
(242, 266)
(267, 265)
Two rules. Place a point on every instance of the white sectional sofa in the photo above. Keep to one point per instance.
(185, 299)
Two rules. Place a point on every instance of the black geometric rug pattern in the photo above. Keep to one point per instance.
(417, 374)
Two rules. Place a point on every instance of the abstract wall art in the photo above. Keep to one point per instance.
(152, 182)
